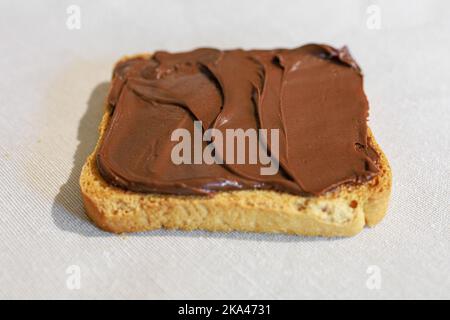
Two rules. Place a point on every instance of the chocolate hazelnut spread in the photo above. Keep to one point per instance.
(312, 94)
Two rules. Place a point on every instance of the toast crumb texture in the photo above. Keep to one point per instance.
(342, 212)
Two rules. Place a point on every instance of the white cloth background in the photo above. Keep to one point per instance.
(52, 84)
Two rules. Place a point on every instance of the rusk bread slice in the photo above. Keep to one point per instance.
(342, 212)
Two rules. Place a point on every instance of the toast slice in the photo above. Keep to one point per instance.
(341, 212)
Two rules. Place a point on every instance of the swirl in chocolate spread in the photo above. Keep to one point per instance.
(313, 94)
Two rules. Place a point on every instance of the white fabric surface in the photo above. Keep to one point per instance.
(52, 84)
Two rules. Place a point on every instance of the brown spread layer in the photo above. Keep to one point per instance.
(313, 94)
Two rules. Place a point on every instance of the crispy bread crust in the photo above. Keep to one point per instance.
(342, 212)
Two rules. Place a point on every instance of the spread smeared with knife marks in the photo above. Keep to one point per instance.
(313, 94)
